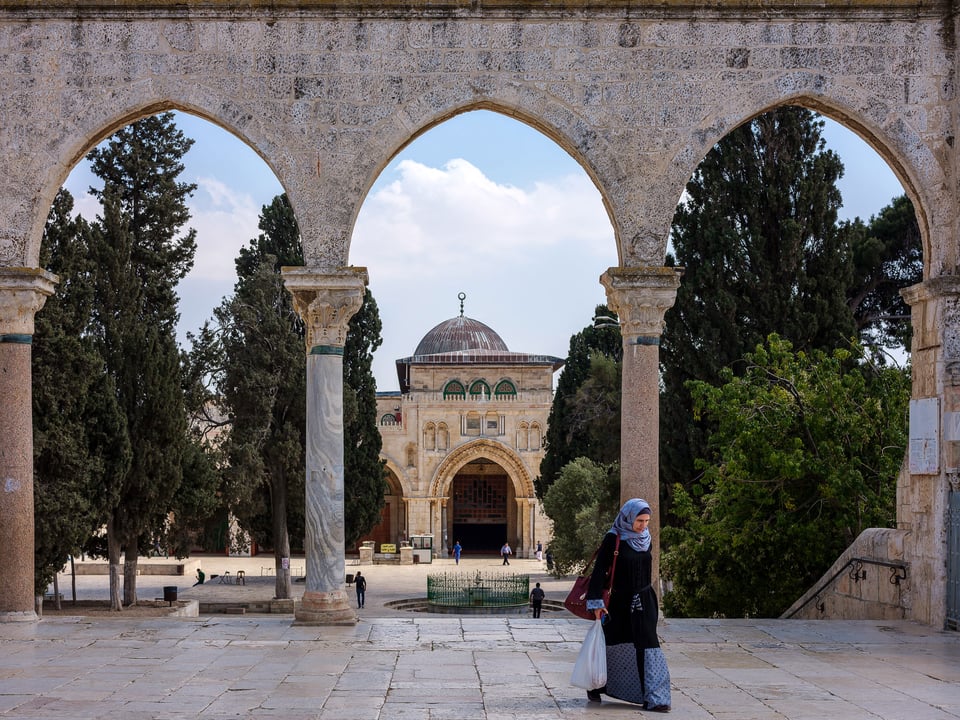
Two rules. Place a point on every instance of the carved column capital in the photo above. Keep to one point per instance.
(23, 291)
(326, 302)
(641, 296)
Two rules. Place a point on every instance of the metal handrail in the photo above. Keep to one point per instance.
(857, 574)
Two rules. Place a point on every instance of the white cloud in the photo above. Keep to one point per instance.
(529, 260)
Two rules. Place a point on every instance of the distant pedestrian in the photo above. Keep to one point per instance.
(456, 552)
(549, 559)
(506, 552)
(539, 550)
(201, 576)
(360, 582)
(536, 600)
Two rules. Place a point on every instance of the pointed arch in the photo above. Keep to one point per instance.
(504, 456)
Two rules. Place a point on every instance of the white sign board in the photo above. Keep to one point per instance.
(925, 436)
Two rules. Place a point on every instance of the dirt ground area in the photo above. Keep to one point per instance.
(101, 608)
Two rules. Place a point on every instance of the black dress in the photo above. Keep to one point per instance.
(636, 667)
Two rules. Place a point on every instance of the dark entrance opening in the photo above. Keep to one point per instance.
(480, 508)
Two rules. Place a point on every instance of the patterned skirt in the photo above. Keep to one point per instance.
(637, 676)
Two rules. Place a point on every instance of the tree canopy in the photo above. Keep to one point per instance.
(803, 457)
(567, 436)
(141, 252)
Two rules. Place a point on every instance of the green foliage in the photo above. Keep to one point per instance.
(263, 386)
(568, 437)
(140, 256)
(582, 503)
(804, 456)
(763, 252)
(364, 472)
(887, 256)
(79, 433)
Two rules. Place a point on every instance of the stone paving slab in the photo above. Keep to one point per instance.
(427, 668)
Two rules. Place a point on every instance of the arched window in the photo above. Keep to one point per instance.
(523, 436)
(455, 390)
(429, 436)
(411, 455)
(505, 390)
(443, 437)
(536, 436)
(389, 419)
(478, 389)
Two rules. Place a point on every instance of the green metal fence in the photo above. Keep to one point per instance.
(465, 590)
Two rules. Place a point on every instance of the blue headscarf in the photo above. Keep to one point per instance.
(623, 525)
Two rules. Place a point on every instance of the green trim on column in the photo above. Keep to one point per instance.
(17, 338)
(647, 340)
(326, 350)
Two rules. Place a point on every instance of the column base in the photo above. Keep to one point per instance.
(19, 616)
(325, 608)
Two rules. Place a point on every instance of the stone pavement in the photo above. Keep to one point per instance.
(417, 666)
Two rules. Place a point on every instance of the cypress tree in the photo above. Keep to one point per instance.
(758, 235)
(80, 436)
(141, 255)
(566, 439)
(364, 472)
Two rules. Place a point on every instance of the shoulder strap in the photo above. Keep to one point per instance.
(613, 566)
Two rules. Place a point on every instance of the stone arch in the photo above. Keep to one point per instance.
(95, 125)
(573, 132)
(483, 448)
(893, 138)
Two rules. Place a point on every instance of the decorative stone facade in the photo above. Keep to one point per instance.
(637, 91)
(463, 441)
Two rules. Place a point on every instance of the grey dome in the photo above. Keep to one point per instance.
(460, 334)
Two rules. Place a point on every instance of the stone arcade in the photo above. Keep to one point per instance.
(327, 91)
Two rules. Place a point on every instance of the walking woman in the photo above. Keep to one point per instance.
(636, 667)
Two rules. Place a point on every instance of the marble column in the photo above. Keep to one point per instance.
(326, 302)
(23, 292)
(640, 296)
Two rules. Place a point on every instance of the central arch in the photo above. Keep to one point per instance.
(488, 492)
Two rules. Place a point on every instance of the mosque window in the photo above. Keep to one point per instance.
(471, 424)
(505, 390)
(454, 389)
(443, 437)
(429, 436)
(523, 436)
(389, 419)
(479, 388)
(536, 436)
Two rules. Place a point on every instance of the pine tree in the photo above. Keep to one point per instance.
(141, 255)
(758, 235)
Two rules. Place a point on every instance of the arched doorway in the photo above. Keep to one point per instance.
(482, 497)
(392, 526)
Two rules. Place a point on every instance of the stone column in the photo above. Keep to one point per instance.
(640, 296)
(326, 302)
(23, 292)
(923, 488)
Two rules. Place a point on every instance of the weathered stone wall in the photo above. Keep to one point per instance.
(327, 100)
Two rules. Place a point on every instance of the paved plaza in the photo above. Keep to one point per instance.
(397, 665)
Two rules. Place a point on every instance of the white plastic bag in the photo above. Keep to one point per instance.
(590, 670)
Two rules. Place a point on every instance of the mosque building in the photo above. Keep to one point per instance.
(463, 441)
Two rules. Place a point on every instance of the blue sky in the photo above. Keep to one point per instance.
(481, 204)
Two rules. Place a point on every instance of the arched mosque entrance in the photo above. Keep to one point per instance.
(479, 510)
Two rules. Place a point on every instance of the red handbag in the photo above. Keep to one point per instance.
(576, 601)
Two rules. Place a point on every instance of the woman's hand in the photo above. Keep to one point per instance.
(599, 613)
